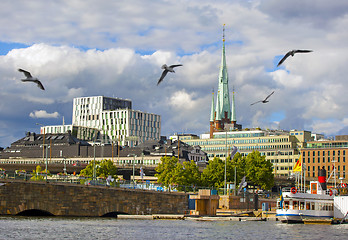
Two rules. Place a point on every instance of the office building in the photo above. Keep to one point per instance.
(112, 119)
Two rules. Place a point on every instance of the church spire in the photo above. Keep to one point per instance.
(223, 97)
(218, 115)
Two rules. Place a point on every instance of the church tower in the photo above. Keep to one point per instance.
(221, 116)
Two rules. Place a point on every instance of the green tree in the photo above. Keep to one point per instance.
(187, 175)
(170, 171)
(259, 170)
(239, 162)
(214, 174)
(167, 171)
(103, 169)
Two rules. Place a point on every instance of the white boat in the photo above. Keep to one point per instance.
(296, 206)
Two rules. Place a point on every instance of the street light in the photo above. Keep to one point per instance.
(94, 170)
(129, 155)
(225, 165)
(43, 141)
(43, 148)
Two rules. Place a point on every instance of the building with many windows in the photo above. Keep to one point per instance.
(280, 147)
(112, 119)
(87, 110)
(130, 126)
(330, 154)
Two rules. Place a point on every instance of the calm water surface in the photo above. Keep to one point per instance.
(102, 228)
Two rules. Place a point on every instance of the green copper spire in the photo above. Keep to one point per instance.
(233, 113)
(223, 97)
(212, 109)
(218, 115)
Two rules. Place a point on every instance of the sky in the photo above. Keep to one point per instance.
(80, 48)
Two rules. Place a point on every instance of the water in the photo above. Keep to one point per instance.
(105, 228)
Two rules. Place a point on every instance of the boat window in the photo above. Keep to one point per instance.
(286, 204)
(312, 206)
(308, 206)
(331, 207)
(301, 205)
(295, 204)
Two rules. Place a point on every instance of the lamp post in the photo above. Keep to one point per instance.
(43, 141)
(94, 170)
(43, 149)
(129, 155)
(225, 165)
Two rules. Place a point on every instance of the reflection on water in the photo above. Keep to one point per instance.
(107, 228)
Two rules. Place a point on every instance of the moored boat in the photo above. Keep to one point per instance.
(298, 206)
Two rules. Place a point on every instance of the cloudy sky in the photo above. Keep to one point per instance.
(116, 48)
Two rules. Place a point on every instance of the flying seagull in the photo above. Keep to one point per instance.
(166, 70)
(31, 79)
(292, 53)
(263, 101)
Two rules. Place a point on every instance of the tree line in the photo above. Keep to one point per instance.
(256, 169)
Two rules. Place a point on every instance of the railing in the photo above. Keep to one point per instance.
(129, 184)
(289, 189)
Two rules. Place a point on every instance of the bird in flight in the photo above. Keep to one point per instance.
(31, 79)
(292, 53)
(166, 70)
(263, 101)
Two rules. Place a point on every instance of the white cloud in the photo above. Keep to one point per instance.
(43, 114)
(116, 49)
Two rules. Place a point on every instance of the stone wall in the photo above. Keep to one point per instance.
(80, 200)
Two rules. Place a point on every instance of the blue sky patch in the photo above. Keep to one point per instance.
(277, 116)
(5, 47)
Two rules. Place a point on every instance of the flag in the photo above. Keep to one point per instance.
(281, 198)
(234, 151)
(298, 165)
(242, 184)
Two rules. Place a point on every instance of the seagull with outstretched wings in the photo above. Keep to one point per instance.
(166, 70)
(31, 79)
(263, 101)
(292, 53)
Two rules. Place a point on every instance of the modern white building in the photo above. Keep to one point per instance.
(130, 126)
(113, 118)
(87, 110)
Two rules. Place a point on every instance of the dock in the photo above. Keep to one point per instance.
(318, 221)
(193, 218)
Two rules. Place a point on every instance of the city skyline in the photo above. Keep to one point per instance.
(116, 49)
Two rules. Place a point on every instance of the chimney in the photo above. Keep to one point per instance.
(322, 178)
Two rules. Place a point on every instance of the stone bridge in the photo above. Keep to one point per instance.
(63, 199)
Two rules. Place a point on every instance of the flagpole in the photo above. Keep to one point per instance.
(304, 177)
(301, 172)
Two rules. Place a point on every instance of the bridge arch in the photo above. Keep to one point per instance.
(112, 214)
(34, 212)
